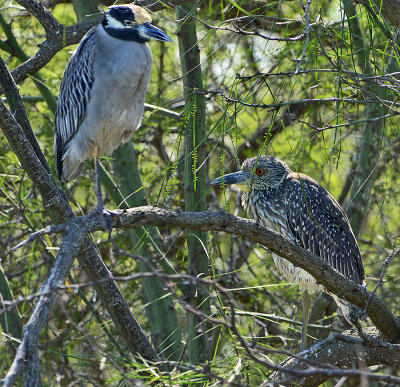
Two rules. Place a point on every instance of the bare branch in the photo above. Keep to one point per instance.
(331, 279)
(307, 34)
(341, 350)
(28, 349)
(353, 101)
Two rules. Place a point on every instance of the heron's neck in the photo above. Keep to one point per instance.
(251, 198)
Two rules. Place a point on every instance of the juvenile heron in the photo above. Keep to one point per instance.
(300, 209)
(103, 90)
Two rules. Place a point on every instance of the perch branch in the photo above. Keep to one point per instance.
(331, 279)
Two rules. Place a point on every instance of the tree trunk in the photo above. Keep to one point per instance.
(86, 9)
(372, 133)
(195, 178)
(160, 309)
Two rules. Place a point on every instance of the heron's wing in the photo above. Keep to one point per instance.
(75, 94)
(319, 224)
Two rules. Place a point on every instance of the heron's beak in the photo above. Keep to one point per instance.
(239, 178)
(150, 31)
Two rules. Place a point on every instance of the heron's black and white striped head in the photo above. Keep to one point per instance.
(133, 23)
(260, 173)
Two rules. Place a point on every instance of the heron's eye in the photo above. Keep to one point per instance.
(259, 171)
(129, 22)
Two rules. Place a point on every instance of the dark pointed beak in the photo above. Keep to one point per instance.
(153, 32)
(240, 177)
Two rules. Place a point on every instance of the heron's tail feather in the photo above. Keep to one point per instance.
(71, 169)
(69, 160)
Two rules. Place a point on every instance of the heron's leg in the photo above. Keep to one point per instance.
(306, 315)
(100, 205)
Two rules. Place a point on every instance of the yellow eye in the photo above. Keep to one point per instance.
(259, 171)
(129, 22)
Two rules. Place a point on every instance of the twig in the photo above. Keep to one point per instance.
(307, 34)
(386, 264)
(166, 112)
(57, 228)
(353, 101)
(348, 124)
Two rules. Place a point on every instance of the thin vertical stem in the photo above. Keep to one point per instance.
(195, 177)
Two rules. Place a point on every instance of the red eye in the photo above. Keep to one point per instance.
(259, 171)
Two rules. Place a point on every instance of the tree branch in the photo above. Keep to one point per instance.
(341, 350)
(27, 350)
(332, 280)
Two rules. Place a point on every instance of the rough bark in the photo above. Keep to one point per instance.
(341, 351)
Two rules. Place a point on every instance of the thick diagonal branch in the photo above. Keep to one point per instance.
(387, 323)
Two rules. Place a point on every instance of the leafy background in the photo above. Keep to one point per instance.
(317, 119)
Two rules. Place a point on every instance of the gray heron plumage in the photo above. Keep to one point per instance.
(300, 209)
(103, 90)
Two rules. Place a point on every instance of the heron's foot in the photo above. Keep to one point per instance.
(107, 219)
(356, 314)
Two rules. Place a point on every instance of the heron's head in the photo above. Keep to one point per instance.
(260, 173)
(131, 22)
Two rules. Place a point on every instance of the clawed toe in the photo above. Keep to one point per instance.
(107, 220)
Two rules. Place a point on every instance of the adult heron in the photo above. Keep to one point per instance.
(103, 90)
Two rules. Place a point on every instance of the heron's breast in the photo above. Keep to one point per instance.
(118, 96)
(295, 274)
(270, 211)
